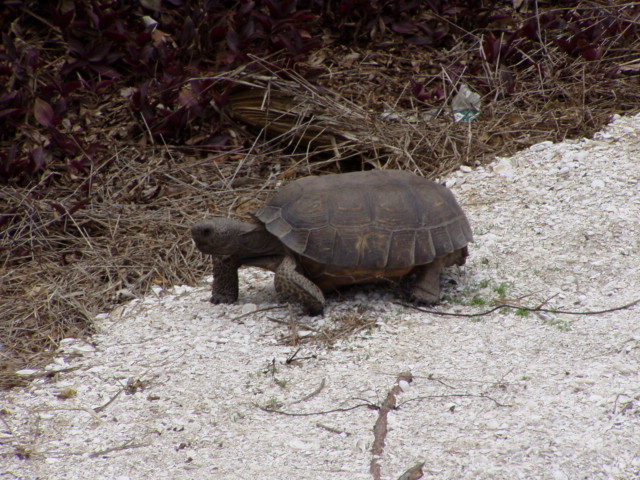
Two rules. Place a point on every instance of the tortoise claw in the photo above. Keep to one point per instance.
(217, 298)
(315, 312)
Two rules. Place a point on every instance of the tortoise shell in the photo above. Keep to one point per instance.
(379, 222)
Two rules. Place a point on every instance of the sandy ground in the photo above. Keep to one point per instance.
(176, 388)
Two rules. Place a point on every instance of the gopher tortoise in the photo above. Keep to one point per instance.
(321, 233)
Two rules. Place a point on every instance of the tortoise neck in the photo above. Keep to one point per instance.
(256, 241)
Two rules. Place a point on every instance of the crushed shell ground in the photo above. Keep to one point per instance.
(508, 395)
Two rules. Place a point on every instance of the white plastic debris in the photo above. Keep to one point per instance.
(466, 105)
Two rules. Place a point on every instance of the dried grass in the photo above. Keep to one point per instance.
(64, 259)
(343, 325)
(322, 130)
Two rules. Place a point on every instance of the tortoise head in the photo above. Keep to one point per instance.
(221, 235)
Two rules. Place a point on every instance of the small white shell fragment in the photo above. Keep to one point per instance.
(361, 446)
(540, 146)
(298, 444)
(450, 182)
(248, 308)
(180, 289)
(559, 475)
(580, 156)
(503, 167)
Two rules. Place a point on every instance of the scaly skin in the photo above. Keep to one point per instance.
(233, 244)
(294, 286)
(426, 287)
(225, 280)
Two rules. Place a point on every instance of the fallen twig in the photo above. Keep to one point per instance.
(368, 405)
(266, 309)
(294, 358)
(518, 307)
(468, 395)
(102, 407)
(312, 394)
(414, 473)
(126, 446)
(331, 429)
(293, 326)
(380, 428)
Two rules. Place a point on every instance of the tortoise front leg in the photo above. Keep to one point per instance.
(225, 280)
(294, 286)
(426, 286)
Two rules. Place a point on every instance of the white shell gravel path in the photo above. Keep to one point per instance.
(509, 395)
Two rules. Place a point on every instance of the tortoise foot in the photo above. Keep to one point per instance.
(426, 286)
(217, 298)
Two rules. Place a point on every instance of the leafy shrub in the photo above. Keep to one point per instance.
(60, 59)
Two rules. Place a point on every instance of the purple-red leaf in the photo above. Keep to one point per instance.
(99, 52)
(232, 41)
(69, 87)
(188, 32)
(417, 88)
(8, 112)
(43, 113)
(590, 52)
(102, 85)
(404, 27)
(66, 143)
(77, 47)
(106, 71)
(38, 159)
(62, 20)
(564, 44)
(81, 165)
(80, 204)
(188, 98)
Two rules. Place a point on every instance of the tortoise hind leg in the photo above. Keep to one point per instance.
(291, 285)
(425, 288)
